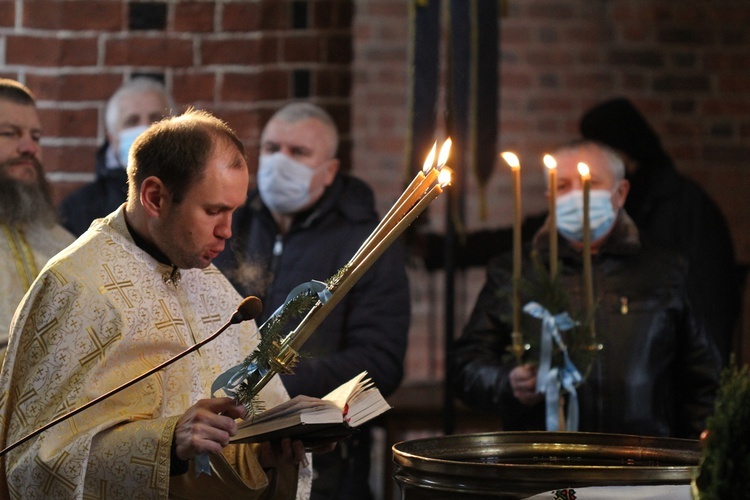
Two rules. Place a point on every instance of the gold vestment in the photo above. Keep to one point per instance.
(101, 313)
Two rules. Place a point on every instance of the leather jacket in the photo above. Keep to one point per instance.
(657, 372)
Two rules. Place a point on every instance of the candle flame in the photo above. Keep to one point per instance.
(445, 150)
(511, 159)
(583, 169)
(445, 176)
(430, 159)
(550, 162)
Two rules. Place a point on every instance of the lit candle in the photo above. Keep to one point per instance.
(414, 191)
(317, 314)
(551, 164)
(515, 168)
(588, 285)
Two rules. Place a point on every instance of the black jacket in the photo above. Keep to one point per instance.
(97, 199)
(368, 329)
(657, 372)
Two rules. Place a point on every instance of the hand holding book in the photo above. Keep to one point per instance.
(315, 421)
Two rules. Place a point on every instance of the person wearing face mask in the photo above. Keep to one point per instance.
(132, 108)
(658, 369)
(304, 221)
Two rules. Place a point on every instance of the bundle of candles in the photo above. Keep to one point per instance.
(518, 347)
(427, 185)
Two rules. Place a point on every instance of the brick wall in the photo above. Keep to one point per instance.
(239, 59)
(686, 64)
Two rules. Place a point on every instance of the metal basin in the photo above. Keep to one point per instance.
(520, 464)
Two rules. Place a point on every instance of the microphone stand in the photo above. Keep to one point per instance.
(247, 309)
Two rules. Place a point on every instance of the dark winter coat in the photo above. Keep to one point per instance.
(657, 372)
(97, 199)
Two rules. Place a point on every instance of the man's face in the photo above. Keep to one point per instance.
(307, 141)
(193, 232)
(20, 132)
(569, 179)
(137, 109)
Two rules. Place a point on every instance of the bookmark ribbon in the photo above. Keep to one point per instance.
(550, 380)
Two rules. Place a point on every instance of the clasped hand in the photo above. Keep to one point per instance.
(523, 384)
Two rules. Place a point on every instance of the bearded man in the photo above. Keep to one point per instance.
(29, 233)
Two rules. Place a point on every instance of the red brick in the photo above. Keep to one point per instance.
(274, 15)
(301, 48)
(142, 51)
(69, 158)
(192, 87)
(73, 15)
(273, 84)
(74, 87)
(239, 87)
(242, 16)
(45, 51)
(245, 123)
(269, 51)
(7, 14)
(591, 81)
(332, 83)
(513, 34)
(734, 83)
(339, 49)
(515, 79)
(332, 13)
(58, 122)
(721, 61)
(230, 51)
(195, 17)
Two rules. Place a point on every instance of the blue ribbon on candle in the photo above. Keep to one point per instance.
(233, 377)
(550, 380)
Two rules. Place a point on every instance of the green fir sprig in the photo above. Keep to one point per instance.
(724, 471)
(272, 333)
(549, 291)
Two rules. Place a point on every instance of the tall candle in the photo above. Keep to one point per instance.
(515, 168)
(588, 285)
(551, 164)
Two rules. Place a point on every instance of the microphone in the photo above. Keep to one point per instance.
(249, 308)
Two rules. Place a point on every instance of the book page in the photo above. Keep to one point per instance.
(341, 395)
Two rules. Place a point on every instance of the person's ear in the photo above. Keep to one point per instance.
(153, 196)
(621, 193)
(331, 169)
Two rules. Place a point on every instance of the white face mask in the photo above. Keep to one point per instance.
(283, 183)
(126, 138)
(570, 214)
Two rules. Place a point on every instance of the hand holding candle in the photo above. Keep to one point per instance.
(517, 338)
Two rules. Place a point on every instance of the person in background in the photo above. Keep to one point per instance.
(132, 108)
(305, 221)
(133, 291)
(29, 232)
(658, 370)
(674, 212)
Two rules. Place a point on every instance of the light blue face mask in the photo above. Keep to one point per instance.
(283, 183)
(570, 214)
(126, 139)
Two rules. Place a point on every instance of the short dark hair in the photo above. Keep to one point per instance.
(176, 150)
(13, 91)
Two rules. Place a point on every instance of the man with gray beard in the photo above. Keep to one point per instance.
(29, 233)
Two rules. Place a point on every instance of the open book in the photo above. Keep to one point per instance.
(331, 418)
